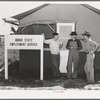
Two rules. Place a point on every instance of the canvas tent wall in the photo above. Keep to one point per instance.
(85, 17)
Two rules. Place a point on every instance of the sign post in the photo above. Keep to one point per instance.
(26, 42)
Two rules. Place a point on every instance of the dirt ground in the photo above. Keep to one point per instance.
(21, 83)
(18, 83)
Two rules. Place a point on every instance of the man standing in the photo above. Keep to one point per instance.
(74, 45)
(55, 47)
(91, 47)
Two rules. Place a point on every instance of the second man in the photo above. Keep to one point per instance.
(73, 45)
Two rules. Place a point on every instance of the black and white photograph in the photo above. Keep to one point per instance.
(49, 49)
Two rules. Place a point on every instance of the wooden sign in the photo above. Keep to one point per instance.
(28, 42)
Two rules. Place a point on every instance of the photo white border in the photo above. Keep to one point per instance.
(50, 94)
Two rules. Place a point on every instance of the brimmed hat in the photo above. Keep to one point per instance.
(86, 33)
(73, 33)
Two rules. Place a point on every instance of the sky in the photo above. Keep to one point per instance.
(8, 9)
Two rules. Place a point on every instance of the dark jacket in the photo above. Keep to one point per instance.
(78, 44)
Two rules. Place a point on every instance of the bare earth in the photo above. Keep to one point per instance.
(61, 84)
(17, 83)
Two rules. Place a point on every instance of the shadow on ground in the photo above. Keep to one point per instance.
(27, 81)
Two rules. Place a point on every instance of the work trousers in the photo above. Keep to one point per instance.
(55, 65)
(88, 68)
(73, 59)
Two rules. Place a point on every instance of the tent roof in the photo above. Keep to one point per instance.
(53, 13)
(91, 8)
(24, 14)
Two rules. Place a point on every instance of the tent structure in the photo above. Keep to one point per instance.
(84, 16)
(44, 19)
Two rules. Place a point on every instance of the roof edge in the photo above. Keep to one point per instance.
(91, 8)
(11, 21)
(21, 15)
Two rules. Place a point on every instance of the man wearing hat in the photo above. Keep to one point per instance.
(73, 45)
(91, 47)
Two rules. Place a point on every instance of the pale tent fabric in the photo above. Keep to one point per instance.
(85, 17)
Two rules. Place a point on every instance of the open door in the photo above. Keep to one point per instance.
(64, 30)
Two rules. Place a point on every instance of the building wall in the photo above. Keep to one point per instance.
(47, 61)
(88, 20)
(85, 19)
(30, 63)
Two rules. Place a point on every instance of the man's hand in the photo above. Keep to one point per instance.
(71, 47)
(75, 47)
(60, 45)
(43, 36)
